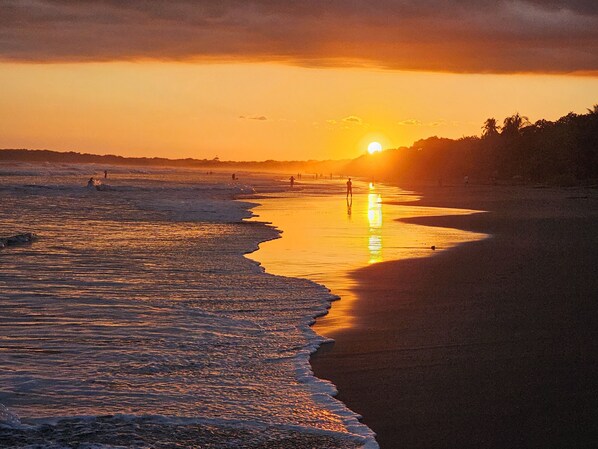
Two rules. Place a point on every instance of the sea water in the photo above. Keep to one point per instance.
(136, 321)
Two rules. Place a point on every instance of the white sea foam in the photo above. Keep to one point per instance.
(8, 418)
(136, 301)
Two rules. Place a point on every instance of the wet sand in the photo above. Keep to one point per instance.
(493, 344)
(324, 240)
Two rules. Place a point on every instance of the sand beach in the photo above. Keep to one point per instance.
(491, 344)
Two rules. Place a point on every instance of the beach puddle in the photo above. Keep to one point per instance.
(325, 236)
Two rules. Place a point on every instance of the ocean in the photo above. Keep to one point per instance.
(144, 317)
(136, 321)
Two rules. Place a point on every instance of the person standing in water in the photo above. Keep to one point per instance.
(105, 174)
(349, 188)
(292, 179)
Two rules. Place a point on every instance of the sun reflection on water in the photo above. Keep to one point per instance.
(318, 245)
(374, 226)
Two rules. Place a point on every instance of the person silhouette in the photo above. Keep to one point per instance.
(90, 183)
(349, 188)
(292, 179)
(105, 174)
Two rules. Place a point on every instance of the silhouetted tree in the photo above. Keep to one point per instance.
(563, 152)
(490, 128)
(513, 125)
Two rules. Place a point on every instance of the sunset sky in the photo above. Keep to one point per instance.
(254, 80)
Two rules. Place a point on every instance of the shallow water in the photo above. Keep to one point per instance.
(135, 309)
(325, 236)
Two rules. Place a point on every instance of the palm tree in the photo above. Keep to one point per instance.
(594, 110)
(512, 125)
(490, 128)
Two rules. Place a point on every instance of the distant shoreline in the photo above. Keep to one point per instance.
(71, 157)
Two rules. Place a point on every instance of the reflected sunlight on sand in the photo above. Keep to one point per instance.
(325, 237)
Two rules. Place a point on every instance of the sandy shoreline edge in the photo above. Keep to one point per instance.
(490, 344)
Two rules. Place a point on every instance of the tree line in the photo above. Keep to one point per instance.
(563, 152)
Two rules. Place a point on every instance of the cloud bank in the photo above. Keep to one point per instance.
(479, 36)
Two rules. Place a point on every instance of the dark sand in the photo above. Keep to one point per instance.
(493, 344)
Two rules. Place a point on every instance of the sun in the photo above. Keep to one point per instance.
(374, 147)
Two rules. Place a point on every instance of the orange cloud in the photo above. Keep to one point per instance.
(410, 122)
(415, 122)
(254, 117)
(353, 120)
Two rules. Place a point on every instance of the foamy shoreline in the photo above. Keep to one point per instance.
(318, 243)
(138, 302)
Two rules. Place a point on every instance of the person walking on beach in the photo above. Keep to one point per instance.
(349, 188)
(292, 179)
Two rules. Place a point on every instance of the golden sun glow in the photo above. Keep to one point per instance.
(242, 110)
(374, 147)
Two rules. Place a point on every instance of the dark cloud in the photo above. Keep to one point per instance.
(543, 36)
